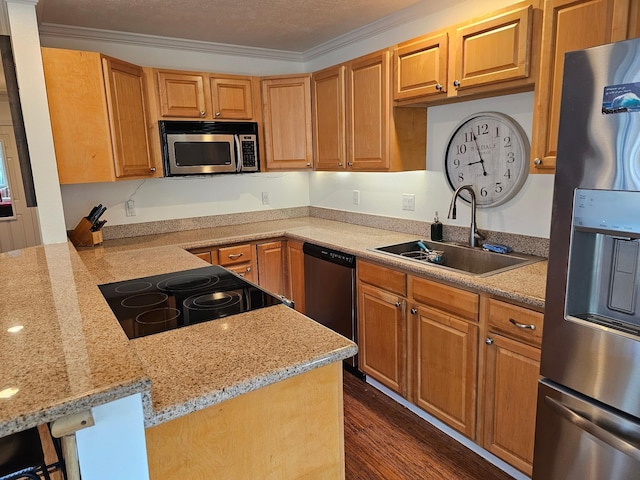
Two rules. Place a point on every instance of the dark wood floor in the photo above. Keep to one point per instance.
(384, 440)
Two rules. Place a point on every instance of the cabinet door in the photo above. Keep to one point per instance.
(329, 119)
(420, 67)
(127, 117)
(445, 370)
(287, 123)
(231, 98)
(295, 274)
(368, 107)
(270, 267)
(511, 385)
(181, 94)
(382, 336)
(568, 25)
(493, 50)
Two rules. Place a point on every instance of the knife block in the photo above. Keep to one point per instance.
(82, 236)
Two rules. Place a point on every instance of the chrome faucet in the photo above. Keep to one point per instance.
(474, 236)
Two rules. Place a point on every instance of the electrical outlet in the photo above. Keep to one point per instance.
(265, 198)
(130, 208)
(408, 201)
(356, 197)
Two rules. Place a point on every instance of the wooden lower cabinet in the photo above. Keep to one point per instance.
(290, 429)
(445, 356)
(511, 385)
(295, 274)
(382, 332)
(271, 267)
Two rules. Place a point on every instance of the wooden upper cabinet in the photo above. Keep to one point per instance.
(205, 96)
(231, 98)
(420, 67)
(379, 136)
(97, 106)
(570, 25)
(329, 110)
(181, 94)
(495, 53)
(286, 103)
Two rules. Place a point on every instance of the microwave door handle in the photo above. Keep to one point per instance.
(236, 141)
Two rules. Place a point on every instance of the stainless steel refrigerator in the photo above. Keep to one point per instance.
(588, 416)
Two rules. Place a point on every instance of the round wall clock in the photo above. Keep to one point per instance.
(490, 152)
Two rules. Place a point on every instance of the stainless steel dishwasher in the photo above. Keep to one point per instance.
(330, 292)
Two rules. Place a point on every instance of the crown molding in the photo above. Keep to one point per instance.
(373, 29)
(111, 36)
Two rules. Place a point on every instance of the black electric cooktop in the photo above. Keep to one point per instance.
(149, 305)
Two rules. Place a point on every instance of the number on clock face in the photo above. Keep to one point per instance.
(488, 151)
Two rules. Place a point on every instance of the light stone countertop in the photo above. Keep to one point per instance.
(72, 353)
(525, 285)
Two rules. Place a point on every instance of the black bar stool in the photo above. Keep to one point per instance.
(21, 456)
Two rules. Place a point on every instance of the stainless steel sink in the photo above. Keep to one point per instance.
(460, 258)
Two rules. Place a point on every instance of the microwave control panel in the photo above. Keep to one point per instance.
(248, 149)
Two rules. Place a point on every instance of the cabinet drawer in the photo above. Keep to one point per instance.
(235, 254)
(385, 278)
(448, 299)
(517, 322)
(245, 270)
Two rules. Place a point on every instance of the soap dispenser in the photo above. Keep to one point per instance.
(436, 229)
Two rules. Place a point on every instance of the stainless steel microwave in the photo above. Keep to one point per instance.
(201, 148)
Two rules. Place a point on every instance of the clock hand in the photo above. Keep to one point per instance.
(481, 161)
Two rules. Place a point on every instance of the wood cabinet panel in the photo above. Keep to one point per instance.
(510, 396)
(570, 25)
(382, 336)
(181, 94)
(202, 253)
(271, 267)
(98, 117)
(231, 98)
(329, 110)
(235, 254)
(295, 274)
(386, 278)
(369, 111)
(446, 366)
(420, 67)
(287, 123)
(443, 297)
(494, 49)
(293, 429)
(516, 322)
(246, 270)
(127, 117)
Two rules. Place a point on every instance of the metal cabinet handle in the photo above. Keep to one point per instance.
(339, 164)
(398, 304)
(456, 83)
(414, 311)
(233, 256)
(217, 114)
(308, 164)
(202, 113)
(488, 341)
(438, 86)
(593, 429)
(537, 161)
(248, 269)
(152, 169)
(522, 325)
(350, 164)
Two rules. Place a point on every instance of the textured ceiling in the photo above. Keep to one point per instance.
(292, 25)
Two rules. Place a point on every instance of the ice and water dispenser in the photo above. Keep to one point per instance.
(603, 271)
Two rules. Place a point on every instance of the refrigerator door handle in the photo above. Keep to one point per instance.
(597, 431)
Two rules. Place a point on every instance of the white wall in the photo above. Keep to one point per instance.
(185, 197)
(528, 213)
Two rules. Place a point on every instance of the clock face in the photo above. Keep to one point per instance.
(490, 152)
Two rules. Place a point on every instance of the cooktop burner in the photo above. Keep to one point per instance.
(148, 305)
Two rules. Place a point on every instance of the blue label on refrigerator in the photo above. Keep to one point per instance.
(621, 98)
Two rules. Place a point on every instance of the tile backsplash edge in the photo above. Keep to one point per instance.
(520, 243)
